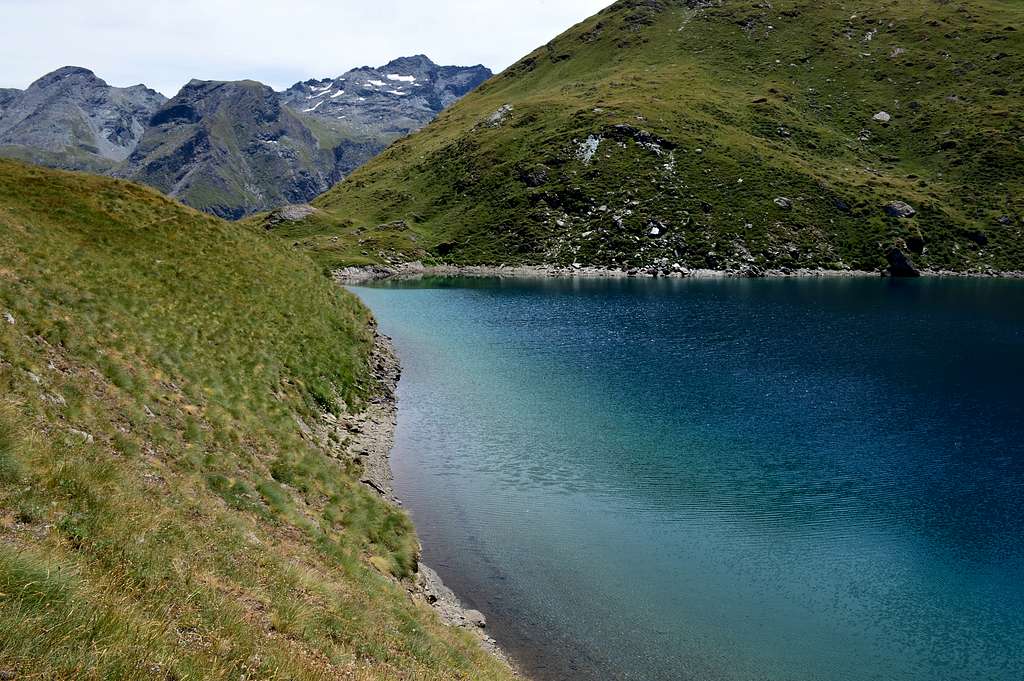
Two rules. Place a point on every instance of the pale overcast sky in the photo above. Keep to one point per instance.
(164, 43)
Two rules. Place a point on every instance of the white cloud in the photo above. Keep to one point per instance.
(164, 43)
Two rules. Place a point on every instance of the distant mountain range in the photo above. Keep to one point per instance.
(228, 148)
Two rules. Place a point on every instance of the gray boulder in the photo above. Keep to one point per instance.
(475, 618)
(899, 209)
(900, 265)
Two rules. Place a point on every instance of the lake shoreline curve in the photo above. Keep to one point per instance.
(370, 437)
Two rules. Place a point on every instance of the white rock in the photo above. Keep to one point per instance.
(499, 116)
(588, 148)
(899, 209)
(882, 117)
(82, 435)
(9, 318)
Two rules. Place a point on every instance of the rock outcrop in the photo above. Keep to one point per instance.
(900, 264)
(899, 209)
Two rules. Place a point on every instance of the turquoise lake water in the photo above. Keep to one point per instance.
(723, 479)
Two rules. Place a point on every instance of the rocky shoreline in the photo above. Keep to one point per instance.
(368, 438)
(415, 270)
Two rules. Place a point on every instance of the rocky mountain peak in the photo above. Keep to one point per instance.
(415, 62)
(71, 118)
(68, 75)
(230, 148)
(211, 95)
(395, 99)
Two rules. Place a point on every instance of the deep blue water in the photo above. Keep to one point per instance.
(723, 479)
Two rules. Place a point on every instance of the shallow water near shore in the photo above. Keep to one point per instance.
(721, 479)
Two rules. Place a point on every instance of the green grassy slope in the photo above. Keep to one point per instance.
(703, 114)
(161, 515)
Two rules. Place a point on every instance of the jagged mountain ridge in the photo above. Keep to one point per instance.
(666, 135)
(70, 118)
(414, 87)
(228, 148)
(368, 108)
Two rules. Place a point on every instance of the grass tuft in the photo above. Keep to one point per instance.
(10, 468)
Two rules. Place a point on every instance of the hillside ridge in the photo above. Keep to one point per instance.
(182, 433)
(730, 135)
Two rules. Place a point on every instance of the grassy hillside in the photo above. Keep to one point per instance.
(161, 515)
(728, 134)
(70, 158)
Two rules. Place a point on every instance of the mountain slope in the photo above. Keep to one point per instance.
(167, 508)
(7, 95)
(72, 119)
(727, 134)
(230, 148)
